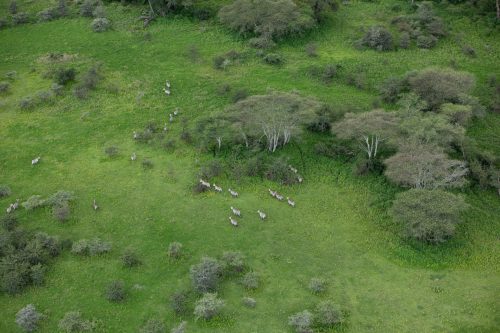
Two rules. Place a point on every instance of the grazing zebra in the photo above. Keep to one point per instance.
(235, 211)
(234, 194)
(35, 161)
(167, 84)
(279, 197)
(167, 92)
(217, 188)
(300, 179)
(233, 221)
(165, 127)
(133, 157)
(272, 193)
(136, 136)
(293, 169)
(262, 215)
(13, 206)
(176, 112)
(290, 202)
(94, 205)
(204, 183)
(170, 118)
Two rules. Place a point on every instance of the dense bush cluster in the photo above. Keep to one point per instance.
(208, 307)
(326, 315)
(5, 190)
(377, 38)
(91, 247)
(73, 322)
(24, 256)
(153, 326)
(206, 275)
(115, 291)
(28, 318)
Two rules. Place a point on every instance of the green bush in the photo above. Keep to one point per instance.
(33, 202)
(249, 302)
(426, 41)
(4, 87)
(20, 18)
(130, 259)
(61, 212)
(181, 328)
(60, 198)
(273, 59)
(101, 24)
(327, 314)
(301, 322)
(208, 307)
(205, 276)
(179, 301)
(153, 326)
(63, 76)
(9, 222)
(317, 285)
(428, 215)
(174, 250)
(250, 281)
(377, 38)
(73, 322)
(5, 191)
(87, 8)
(232, 262)
(115, 291)
(28, 318)
(111, 151)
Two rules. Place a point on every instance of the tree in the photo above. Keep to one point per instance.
(208, 306)
(428, 215)
(277, 117)
(437, 86)
(214, 131)
(319, 7)
(327, 314)
(371, 128)
(426, 167)
(301, 322)
(272, 19)
(28, 317)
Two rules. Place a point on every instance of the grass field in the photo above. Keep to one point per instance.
(339, 230)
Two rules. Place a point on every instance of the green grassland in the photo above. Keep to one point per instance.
(340, 229)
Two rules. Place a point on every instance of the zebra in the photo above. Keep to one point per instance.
(234, 194)
(136, 135)
(165, 127)
(235, 211)
(272, 193)
(217, 188)
(293, 169)
(167, 84)
(262, 215)
(13, 206)
(233, 221)
(204, 183)
(133, 157)
(290, 202)
(279, 197)
(35, 161)
(94, 205)
(300, 179)
(170, 118)
(176, 111)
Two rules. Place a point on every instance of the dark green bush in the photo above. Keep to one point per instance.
(153, 326)
(205, 276)
(61, 212)
(301, 322)
(317, 285)
(115, 291)
(28, 318)
(426, 41)
(208, 307)
(5, 191)
(273, 59)
(327, 314)
(64, 76)
(179, 301)
(73, 322)
(129, 258)
(250, 281)
(101, 24)
(377, 38)
(232, 262)
(20, 18)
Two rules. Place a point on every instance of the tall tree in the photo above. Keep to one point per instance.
(370, 128)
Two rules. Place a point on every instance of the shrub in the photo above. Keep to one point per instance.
(208, 306)
(239, 95)
(391, 88)
(261, 43)
(232, 262)
(11, 75)
(220, 62)
(59, 198)
(37, 274)
(279, 171)
(301, 322)
(130, 259)
(81, 92)
(80, 247)
(212, 169)
(312, 50)
(44, 97)
(179, 302)
(174, 250)
(249, 302)
(111, 151)
(3, 23)
(5, 191)
(469, 51)
(153, 326)
(273, 19)
(147, 164)
(457, 114)
(100, 24)
(115, 291)
(205, 275)
(428, 215)
(404, 40)
(377, 38)
(26, 103)
(8, 222)
(99, 12)
(357, 80)
(426, 41)
(90, 247)
(13, 8)
(181, 328)
(48, 14)
(63, 76)
(61, 9)
(20, 18)
(4, 87)
(61, 212)
(327, 314)
(437, 86)
(28, 317)
(250, 280)
(33, 202)
(87, 8)
(92, 77)
(74, 322)
(317, 285)
(273, 59)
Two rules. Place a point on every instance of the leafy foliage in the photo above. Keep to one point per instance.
(208, 307)
(205, 276)
(28, 317)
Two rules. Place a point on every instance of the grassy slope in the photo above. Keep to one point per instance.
(344, 234)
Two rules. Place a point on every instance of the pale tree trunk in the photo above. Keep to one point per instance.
(219, 142)
(371, 145)
(498, 18)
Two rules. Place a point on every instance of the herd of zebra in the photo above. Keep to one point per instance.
(236, 212)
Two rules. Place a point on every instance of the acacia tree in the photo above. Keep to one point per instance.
(428, 215)
(214, 132)
(277, 117)
(425, 167)
(370, 128)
